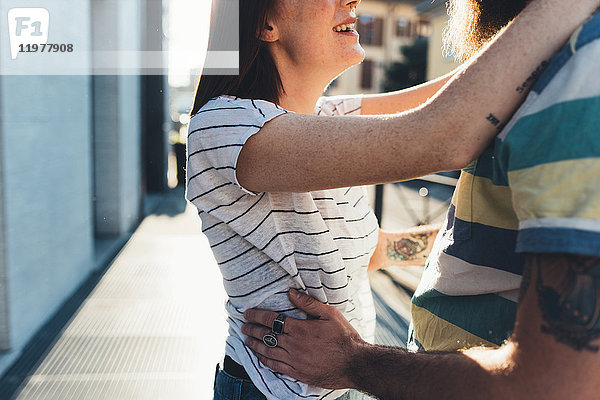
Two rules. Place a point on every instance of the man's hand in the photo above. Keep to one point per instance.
(299, 352)
(553, 354)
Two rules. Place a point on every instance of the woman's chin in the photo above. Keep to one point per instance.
(353, 57)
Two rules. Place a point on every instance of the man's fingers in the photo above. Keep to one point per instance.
(274, 353)
(256, 331)
(277, 366)
(310, 305)
(262, 317)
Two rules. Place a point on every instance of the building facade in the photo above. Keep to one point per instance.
(78, 153)
(438, 62)
(384, 27)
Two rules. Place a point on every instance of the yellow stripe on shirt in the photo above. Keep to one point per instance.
(480, 201)
(545, 191)
(436, 334)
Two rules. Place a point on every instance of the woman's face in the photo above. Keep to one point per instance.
(311, 34)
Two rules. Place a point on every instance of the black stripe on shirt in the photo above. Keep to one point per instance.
(215, 148)
(351, 111)
(326, 287)
(226, 205)
(277, 211)
(358, 237)
(354, 258)
(212, 246)
(223, 126)
(358, 201)
(321, 269)
(237, 296)
(211, 190)
(360, 219)
(218, 109)
(259, 110)
(271, 241)
(206, 170)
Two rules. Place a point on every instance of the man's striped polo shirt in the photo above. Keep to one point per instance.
(535, 190)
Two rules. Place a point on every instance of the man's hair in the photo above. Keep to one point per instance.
(474, 22)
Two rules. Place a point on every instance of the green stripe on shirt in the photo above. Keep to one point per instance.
(488, 316)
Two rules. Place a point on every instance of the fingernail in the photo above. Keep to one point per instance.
(246, 314)
(244, 329)
(294, 293)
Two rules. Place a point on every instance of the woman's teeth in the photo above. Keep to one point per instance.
(344, 27)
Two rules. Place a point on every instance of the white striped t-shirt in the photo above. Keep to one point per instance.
(265, 243)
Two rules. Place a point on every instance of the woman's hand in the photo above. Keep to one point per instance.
(317, 352)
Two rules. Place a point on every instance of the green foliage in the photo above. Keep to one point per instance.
(411, 71)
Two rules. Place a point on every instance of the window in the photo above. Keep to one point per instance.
(370, 29)
(422, 28)
(403, 27)
(366, 78)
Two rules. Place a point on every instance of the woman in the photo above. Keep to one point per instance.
(267, 201)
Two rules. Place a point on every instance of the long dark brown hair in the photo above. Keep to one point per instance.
(258, 76)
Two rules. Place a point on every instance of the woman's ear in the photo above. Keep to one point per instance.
(269, 33)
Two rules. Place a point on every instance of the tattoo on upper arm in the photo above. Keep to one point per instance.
(408, 248)
(568, 289)
(533, 77)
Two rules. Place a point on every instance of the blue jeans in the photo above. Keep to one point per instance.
(229, 387)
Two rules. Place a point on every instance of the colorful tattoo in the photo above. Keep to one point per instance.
(407, 248)
(570, 298)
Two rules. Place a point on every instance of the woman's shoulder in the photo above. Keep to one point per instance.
(339, 105)
(232, 105)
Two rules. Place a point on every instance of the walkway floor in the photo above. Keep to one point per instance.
(154, 326)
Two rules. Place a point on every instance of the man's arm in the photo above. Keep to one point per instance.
(553, 353)
(409, 247)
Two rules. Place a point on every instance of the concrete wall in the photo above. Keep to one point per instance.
(45, 128)
(62, 140)
(117, 129)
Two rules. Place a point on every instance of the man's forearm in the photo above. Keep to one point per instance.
(394, 373)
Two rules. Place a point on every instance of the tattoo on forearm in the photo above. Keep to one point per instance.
(407, 248)
(533, 77)
(568, 289)
(495, 121)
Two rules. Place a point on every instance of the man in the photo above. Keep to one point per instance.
(528, 207)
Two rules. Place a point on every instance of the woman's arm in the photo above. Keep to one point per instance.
(303, 153)
(407, 248)
(402, 100)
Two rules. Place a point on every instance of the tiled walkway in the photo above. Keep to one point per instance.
(154, 326)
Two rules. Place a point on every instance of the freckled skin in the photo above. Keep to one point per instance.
(305, 44)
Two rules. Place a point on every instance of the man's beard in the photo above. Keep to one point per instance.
(474, 22)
